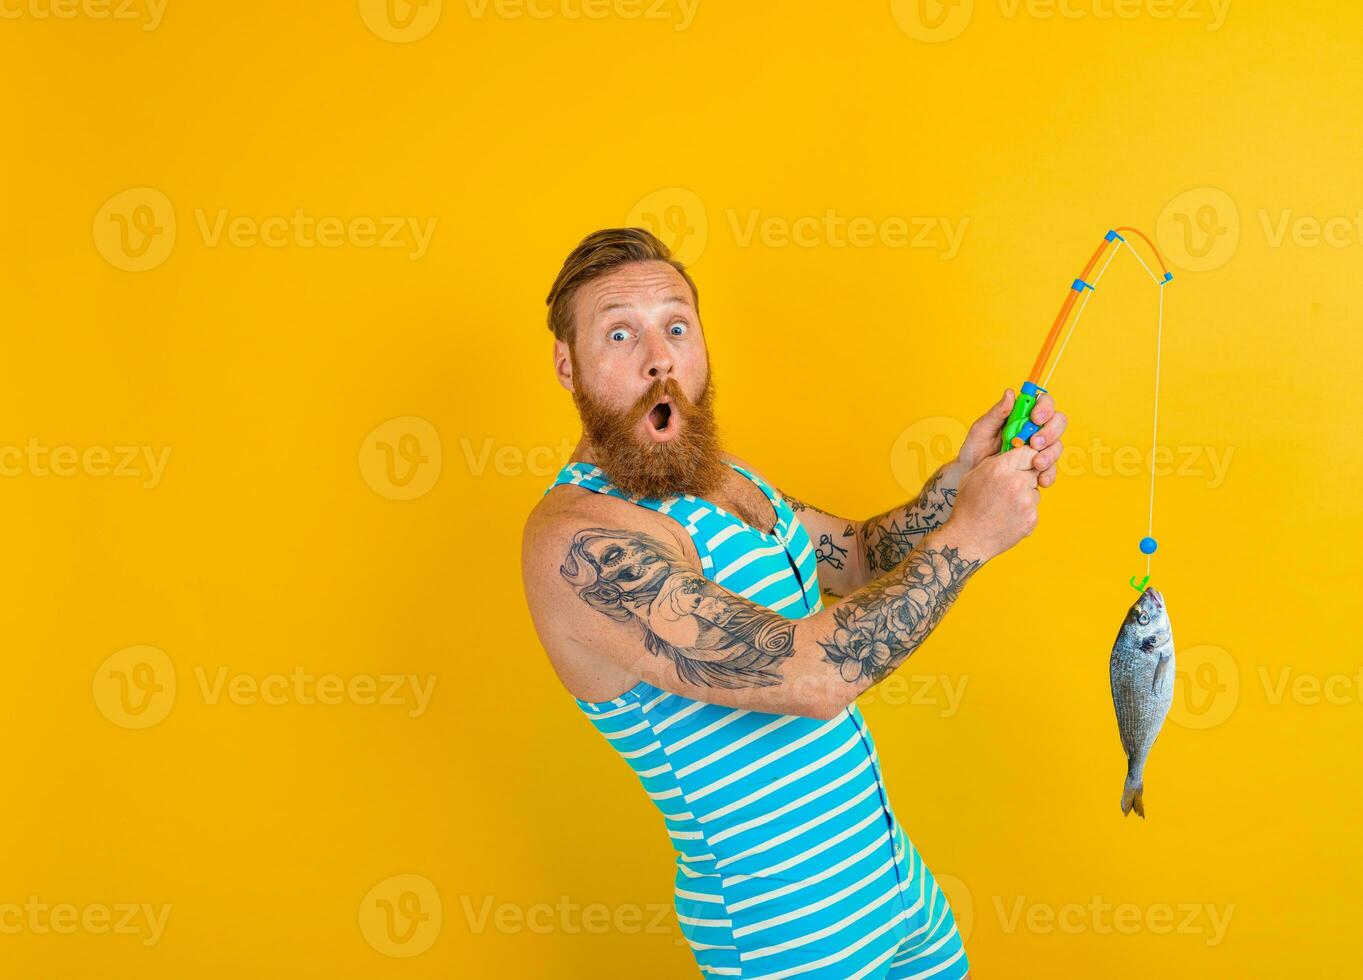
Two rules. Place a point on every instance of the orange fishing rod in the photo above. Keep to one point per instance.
(1019, 427)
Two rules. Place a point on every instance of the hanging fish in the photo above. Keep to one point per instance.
(1142, 674)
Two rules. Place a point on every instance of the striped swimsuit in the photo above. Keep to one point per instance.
(790, 861)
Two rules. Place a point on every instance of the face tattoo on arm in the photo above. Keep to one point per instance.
(712, 637)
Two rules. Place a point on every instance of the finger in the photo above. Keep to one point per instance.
(999, 411)
(1046, 478)
(1050, 432)
(1043, 409)
(1020, 457)
(1048, 457)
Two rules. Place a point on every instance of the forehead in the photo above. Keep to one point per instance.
(638, 287)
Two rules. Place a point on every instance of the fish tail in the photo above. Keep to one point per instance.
(1133, 791)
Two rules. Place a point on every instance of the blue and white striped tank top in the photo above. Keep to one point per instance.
(790, 861)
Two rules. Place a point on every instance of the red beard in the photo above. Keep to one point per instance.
(689, 462)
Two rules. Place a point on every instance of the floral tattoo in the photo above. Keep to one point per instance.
(879, 626)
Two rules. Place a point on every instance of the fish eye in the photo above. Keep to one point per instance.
(1143, 619)
(678, 328)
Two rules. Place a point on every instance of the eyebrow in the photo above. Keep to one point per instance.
(625, 306)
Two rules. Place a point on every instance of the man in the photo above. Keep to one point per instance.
(678, 595)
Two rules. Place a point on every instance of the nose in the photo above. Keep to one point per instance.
(657, 358)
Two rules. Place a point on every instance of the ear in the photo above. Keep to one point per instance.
(563, 365)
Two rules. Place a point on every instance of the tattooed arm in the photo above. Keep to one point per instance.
(852, 553)
(630, 598)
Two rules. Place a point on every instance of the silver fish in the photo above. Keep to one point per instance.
(1142, 674)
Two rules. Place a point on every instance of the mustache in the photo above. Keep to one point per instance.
(661, 388)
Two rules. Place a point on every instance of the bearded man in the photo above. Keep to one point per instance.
(678, 595)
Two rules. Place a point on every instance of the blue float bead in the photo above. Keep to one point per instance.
(1148, 546)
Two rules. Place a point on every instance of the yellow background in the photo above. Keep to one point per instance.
(276, 538)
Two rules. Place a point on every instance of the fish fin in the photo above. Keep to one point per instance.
(1133, 797)
(1160, 668)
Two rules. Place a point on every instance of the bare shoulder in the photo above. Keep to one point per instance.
(730, 457)
(566, 511)
(572, 524)
(580, 551)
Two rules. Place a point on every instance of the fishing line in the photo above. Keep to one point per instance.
(1154, 436)
(1019, 428)
(1087, 296)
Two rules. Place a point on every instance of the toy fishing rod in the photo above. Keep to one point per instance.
(1020, 428)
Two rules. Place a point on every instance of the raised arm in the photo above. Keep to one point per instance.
(852, 553)
(632, 597)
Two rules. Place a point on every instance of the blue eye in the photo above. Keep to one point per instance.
(677, 329)
(619, 334)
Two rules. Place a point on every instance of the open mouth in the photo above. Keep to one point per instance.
(662, 421)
